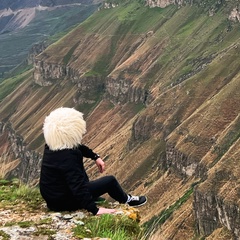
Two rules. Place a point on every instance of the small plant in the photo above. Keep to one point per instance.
(44, 231)
(25, 224)
(110, 226)
(4, 182)
(9, 224)
(45, 221)
(4, 236)
(30, 195)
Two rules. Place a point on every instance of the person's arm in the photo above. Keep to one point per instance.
(88, 153)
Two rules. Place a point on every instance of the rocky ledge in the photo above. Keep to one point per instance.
(19, 222)
(24, 215)
(15, 224)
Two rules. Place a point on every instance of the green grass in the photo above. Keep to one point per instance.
(144, 169)
(98, 21)
(4, 236)
(153, 224)
(191, 42)
(151, 18)
(20, 69)
(108, 226)
(8, 85)
(23, 198)
(139, 18)
(45, 231)
(13, 192)
(229, 139)
(178, 27)
(101, 66)
(91, 73)
(25, 224)
(69, 54)
(127, 19)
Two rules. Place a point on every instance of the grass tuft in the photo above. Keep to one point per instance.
(4, 236)
(13, 192)
(110, 226)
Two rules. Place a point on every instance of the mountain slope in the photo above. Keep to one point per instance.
(160, 91)
(25, 23)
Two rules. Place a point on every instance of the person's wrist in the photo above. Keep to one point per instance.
(96, 157)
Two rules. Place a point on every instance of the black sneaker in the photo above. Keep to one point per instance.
(136, 201)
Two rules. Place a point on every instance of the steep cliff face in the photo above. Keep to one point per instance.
(164, 3)
(235, 14)
(35, 50)
(123, 91)
(211, 6)
(46, 73)
(26, 165)
(159, 89)
(217, 199)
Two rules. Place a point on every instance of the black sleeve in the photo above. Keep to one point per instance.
(87, 152)
(75, 178)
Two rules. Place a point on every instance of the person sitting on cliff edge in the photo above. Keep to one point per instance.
(64, 183)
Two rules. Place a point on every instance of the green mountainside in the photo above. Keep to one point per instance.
(47, 25)
(159, 88)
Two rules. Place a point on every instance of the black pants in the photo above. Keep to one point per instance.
(110, 185)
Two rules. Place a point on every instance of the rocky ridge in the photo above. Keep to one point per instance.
(30, 160)
(42, 225)
(234, 14)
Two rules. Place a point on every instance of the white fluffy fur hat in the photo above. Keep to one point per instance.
(64, 128)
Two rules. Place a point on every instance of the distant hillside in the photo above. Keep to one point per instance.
(21, 4)
(159, 88)
(24, 23)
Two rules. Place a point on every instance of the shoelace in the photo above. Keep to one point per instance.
(134, 198)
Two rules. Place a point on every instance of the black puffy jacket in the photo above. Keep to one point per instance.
(63, 180)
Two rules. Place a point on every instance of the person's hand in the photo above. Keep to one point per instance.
(105, 211)
(101, 165)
